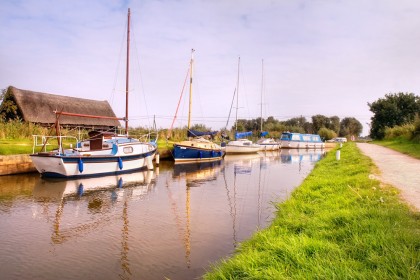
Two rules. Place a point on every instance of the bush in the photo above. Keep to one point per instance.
(326, 133)
(400, 131)
(416, 131)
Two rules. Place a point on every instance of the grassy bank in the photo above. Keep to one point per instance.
(339, 224)
(402, 145)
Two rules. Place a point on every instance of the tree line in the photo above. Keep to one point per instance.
(326, 127)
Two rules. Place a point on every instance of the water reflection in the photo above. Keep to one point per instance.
(301, 155)
(169, 223)
(100, 193)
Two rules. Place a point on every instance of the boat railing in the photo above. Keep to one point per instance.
(148, 137)
(43, 141)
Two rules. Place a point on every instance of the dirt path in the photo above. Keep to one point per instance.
(399, 170)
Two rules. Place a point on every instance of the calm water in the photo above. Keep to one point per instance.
(172, 222)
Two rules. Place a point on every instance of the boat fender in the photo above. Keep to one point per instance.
(149, 163)
(120, 163)
(200, 153)
(80, 165)
(80, 190)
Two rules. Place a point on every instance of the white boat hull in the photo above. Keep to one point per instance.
(89, 164)
(242, 146)
(301, 145)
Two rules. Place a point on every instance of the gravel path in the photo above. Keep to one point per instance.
(399, 170)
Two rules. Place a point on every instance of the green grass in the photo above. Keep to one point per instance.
(338, 224)
(402, 145)
(15, 147)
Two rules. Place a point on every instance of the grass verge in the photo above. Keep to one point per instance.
(402, 145)
(339, 224)
(15, 147)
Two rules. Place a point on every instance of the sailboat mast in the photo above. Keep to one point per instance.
(191, 81)
(262, 90)
(237, 96)
(127, 72)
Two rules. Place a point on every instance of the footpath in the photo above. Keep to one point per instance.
(397, 169)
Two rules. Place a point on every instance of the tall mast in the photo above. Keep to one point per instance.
(237, 96)
(191, 81)
(127, 73)
(262, 90)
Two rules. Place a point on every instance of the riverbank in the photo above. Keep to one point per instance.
(340, 223)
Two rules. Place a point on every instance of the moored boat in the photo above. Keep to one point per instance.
(196, 148)
(103, 153)
(268, 144)
(292, 140)
(242, 145)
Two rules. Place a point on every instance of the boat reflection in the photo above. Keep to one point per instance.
(242, 163)
(100, 195)
(197, 172)
(301, 155)
(61, 188)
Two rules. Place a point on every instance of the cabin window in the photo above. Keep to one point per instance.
(128, 150)
(296, 137)
(284, 137)
(306, 138)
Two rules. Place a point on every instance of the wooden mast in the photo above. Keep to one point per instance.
(237, 96)
(191, 81)
(262, 90)
(127, 72)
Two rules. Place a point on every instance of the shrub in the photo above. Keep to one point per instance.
(416, 131)
(399, 131)
(326, 133)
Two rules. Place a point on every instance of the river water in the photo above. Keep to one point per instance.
(172, 222)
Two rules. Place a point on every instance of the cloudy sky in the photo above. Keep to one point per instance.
(327, 57)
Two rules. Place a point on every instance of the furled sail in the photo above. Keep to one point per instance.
(239, 135)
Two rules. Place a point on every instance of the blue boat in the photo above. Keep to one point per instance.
(292, 140)
(197, 148)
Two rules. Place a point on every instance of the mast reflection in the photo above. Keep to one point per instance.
(99, 194)
(195, 174)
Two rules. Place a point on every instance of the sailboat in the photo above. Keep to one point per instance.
(104, 153)
(240, 145)
(197, 148)
(267, 144)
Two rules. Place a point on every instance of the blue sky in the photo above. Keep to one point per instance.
(320, 57)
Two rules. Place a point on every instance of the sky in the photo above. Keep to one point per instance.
(297, 58)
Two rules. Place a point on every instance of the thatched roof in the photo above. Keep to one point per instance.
(37, 107)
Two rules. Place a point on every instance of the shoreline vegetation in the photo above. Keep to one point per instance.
(340, 223)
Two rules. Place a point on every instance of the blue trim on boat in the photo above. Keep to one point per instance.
(183, 153)
(97, 159)
(58, 175)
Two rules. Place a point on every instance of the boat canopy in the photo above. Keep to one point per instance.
(195, 133)
(239, 135)
(263, 133)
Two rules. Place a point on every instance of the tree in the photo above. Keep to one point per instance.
(319, 121)
(393, 109)
(8, 108)
(334, 124)
(350, 126)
